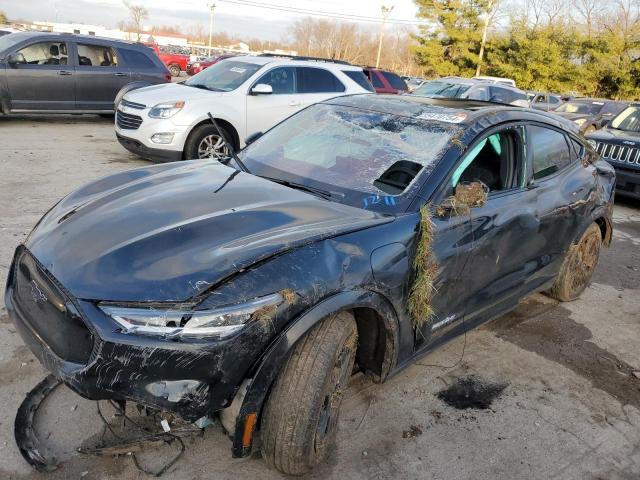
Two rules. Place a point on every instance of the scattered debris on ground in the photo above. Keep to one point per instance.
(471, 392)
(121, 433)
(414, 431)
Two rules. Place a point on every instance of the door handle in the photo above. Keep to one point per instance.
(64, 72)
(120, 74)
(294, 103)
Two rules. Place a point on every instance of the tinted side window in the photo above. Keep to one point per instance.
(612, 108)
(136, 59)
(318, 80)
(360, 78)
(550, 151)
(500, 95)
(282, 80)
(46, 53)
(375, 80)
(478, 93)
(96, 56)
(395, 81)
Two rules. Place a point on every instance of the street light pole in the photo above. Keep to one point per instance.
(212, 6)
(385, 13)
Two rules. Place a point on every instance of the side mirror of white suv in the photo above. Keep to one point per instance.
(262, 89)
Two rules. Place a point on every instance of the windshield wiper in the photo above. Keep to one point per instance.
(197, 85)
(299, 186)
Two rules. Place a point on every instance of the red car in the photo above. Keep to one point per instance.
(175, 62)
(385, 82)
(197, 67)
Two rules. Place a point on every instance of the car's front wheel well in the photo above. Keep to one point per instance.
(375, 343)
(228, 127)
(606, 230)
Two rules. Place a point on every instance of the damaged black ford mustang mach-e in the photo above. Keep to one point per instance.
(370, 230)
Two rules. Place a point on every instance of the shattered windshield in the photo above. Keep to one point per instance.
(628, 120)
(364, 158)
(223, 76)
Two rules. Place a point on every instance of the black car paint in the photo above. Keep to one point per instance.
(627, 173)
(149, 236)
(73, 87)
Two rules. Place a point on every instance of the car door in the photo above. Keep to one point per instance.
(503, 230)
(266, 110)
(100, 74)
(316, 85)
(562, 188)
(43, 79)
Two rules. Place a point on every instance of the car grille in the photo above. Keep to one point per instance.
(127, 121)
(49, 311)
(619, 153)
(137, 106)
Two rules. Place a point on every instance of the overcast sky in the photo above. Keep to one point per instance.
(241, 20)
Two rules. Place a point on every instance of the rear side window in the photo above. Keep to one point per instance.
(550, 151)
(318, 80)
(137, 59)
(613, 108)
(395, 81)
(478, 93)
(96, 56)
(360, 78)
(375, 80)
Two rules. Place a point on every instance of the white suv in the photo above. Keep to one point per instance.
(245, 95)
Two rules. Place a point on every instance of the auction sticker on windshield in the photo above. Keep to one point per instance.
(238, 69)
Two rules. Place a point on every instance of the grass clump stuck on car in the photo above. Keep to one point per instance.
(426, 269)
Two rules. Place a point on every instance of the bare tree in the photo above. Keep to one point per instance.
(588, 10)
(137, 14)
(490, 12)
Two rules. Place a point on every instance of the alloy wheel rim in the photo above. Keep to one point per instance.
(212, 146)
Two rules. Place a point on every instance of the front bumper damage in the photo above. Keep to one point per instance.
(191, 378)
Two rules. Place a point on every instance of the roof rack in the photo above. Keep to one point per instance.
(308, 59)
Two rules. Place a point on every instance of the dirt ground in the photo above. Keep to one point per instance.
(551, 385)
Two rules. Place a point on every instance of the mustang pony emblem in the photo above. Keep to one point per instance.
(36, 293)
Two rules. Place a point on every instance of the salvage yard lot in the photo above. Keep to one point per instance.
(570, 408)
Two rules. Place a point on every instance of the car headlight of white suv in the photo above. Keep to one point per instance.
(166, 110)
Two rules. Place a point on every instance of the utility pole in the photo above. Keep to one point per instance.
(212, 6)
(487, 18)
(385, 14)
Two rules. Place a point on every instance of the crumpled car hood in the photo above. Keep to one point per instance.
(169, 232)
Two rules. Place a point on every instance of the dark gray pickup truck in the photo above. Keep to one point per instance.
(62, 73)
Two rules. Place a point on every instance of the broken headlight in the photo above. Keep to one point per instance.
(169, 323)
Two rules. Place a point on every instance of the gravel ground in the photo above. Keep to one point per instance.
(566, 405)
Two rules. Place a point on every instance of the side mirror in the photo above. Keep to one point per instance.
(253, 137)
(262, 89)
(16, 58)
(605, 122)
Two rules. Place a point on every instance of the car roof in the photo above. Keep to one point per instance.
(264, 60)
(416, 106)
(75, 36)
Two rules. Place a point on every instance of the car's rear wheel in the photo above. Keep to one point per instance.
(301, 416)
(174, 70)
(205, 142)
(578, 266)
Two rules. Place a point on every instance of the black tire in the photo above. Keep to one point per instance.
(578, 266)
(192, 147)
(301, 416)
(174, 70)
